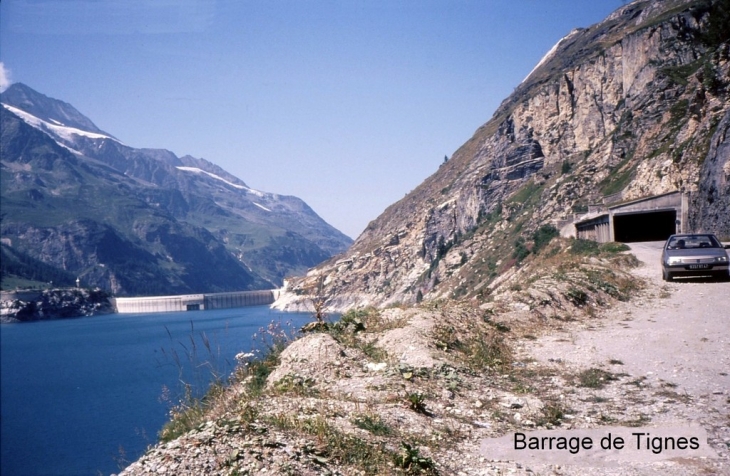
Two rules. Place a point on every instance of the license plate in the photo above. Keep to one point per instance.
(699, 266)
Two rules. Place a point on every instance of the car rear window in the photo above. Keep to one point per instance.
(693, 241)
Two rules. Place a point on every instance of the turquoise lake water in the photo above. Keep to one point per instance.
(83, 396)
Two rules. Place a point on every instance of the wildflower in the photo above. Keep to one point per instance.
(242, 357)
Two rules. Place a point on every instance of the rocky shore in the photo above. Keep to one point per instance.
(21, 306)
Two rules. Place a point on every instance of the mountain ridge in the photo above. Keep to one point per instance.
(61, 178)
(49, 109)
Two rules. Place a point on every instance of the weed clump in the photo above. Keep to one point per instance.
(480, 344)
(373, 424)
(552, 414)
(354, 327)
(296, 385)
(584, 247)
(613, 247)
(416, 401)
(189, 412)
(577, 296)
(332, 445)
(410, 460)
(477, 343)
(595, 378)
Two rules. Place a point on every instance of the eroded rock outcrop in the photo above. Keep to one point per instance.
(53, 304)
(631, 107)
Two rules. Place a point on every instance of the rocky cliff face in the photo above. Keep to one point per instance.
(636, 105)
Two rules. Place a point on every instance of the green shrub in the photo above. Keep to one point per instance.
(613, 247)
(542, 237)
(577, 296)
(718, 31)
(584, 247)
(521, 252)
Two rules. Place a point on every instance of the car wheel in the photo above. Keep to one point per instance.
(666, 275)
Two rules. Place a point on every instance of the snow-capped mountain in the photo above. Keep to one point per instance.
(67, 184)
(49, 110)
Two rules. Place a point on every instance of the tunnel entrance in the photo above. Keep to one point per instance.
(649, 226)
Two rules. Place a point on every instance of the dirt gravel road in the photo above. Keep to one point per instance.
(675, 339)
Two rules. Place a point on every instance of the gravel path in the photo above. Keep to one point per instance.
(681, 336)
(676, 337)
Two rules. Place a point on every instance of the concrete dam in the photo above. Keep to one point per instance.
(194, 302)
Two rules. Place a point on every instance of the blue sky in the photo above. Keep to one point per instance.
(348, 105)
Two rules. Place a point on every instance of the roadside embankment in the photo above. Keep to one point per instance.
(419, 390)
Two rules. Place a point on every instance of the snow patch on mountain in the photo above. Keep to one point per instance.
(64, 132)
(552, 51)
(217, 177)
(74, 151)
(261, 206)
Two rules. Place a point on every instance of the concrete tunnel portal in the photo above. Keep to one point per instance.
(647, 226)
(652, 218)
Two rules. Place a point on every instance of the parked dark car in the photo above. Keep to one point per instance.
(694, 255)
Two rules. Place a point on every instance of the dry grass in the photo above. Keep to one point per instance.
(356, 328)
(462, 333)
(331, 445)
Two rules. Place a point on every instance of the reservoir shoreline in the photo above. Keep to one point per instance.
(60, 303)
